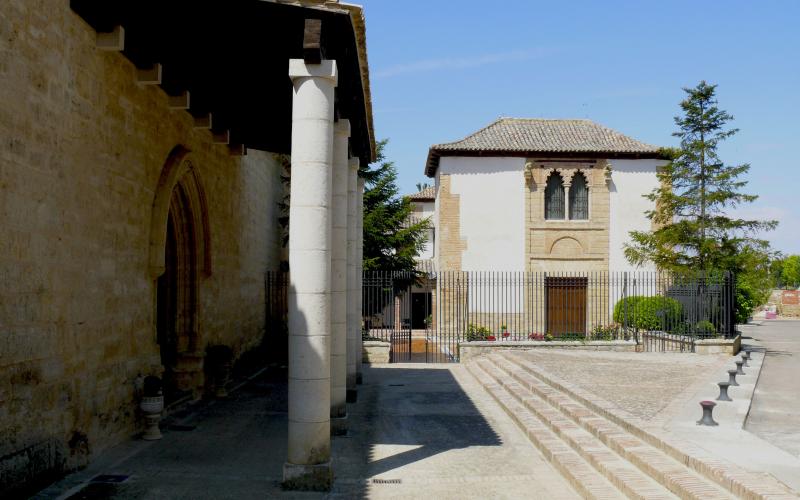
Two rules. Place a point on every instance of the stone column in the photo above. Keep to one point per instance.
(341, 170)
(309, 447)
(359, 273)
(352, 315)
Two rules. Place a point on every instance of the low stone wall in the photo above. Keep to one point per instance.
(376, 352)
(468, 350)
(718, 346)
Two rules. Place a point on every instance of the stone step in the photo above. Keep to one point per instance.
(559, 410)
(622, 474)
(580, 404)
(589, 483)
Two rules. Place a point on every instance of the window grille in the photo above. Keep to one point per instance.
(578, 198)
(554, 197)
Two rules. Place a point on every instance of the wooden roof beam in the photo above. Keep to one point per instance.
(180, 101)
(312, 41)
(113, 41)
(149, 76)
(203, 122)
(221, 137)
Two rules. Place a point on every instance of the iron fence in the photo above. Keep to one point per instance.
(659, 311)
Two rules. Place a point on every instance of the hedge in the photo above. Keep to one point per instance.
(648, 313)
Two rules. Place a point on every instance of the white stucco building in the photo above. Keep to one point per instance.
(545, 205)
(540, 195)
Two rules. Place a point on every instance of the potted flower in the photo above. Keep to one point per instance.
(504, 331)
(536, 336)
(491, 338)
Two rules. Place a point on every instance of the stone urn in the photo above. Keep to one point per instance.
(152, 404)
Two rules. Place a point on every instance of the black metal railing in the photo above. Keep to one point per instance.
(659, 311)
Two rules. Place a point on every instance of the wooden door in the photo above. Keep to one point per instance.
(566, 305)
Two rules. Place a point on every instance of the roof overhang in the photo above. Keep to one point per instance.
(233, 58)
(434, 154)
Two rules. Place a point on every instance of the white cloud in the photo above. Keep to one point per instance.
(454, 63)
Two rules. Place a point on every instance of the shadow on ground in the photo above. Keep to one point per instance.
(404, 421)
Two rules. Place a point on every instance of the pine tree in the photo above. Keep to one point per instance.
(391, 238)
(695, 229)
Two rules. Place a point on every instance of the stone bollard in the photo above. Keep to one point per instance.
(723, 391)
(746, 354)
(708, 408)
(744, 360)
(739, 370)
(732, 378)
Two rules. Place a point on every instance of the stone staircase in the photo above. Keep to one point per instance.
(601, 452)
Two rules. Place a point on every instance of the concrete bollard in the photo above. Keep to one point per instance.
(732, 378)
(744, 359)
(739, 370)
(746, 354)
(723, 392)
(708, 418)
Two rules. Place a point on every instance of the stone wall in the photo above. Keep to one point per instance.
(82, 150)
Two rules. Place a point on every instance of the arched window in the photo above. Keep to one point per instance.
(578, 198)
(554, 197)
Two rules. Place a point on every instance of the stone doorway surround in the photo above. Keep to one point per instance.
(179, 259)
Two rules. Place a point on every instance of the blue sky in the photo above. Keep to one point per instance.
(442, 69)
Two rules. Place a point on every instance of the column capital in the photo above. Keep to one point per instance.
(354, 163)
(342, 127)
(298, 68)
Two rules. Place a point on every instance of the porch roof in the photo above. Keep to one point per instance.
(233, 58)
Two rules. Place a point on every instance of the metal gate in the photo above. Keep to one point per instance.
(396, 308)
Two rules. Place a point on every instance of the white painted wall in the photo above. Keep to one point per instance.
(423, 210)
(630, 180)
(492, 201)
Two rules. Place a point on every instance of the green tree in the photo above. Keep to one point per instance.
(392, 239)
(790, 272)
(695, 230)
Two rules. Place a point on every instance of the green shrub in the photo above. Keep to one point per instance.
(705, 328)
(600, 332)
(648, 313)
(476, 333)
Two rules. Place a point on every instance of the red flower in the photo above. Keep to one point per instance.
(491, 338)
(506, 334)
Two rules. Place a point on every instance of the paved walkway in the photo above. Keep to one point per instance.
(417, 430)
(775, 412)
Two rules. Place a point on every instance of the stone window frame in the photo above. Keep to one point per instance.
(566, 173)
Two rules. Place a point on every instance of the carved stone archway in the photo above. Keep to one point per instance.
(179, 257)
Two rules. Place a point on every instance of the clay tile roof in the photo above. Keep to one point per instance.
(429, 193)
(515, 136)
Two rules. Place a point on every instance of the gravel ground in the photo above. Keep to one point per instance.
(643, 384)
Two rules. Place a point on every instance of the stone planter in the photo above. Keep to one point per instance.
(718, 346)
(152, 406)
(376, 352)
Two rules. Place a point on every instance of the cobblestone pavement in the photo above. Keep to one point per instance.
(643, 384)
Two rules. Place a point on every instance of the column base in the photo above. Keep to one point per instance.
(339, 426)
(352, 395)
(359, 378)
(317, 477)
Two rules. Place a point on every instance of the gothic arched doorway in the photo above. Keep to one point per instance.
(179, 257)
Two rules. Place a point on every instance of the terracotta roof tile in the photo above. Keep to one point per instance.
(537, 135)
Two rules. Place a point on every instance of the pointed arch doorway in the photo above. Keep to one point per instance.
(179, 260)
